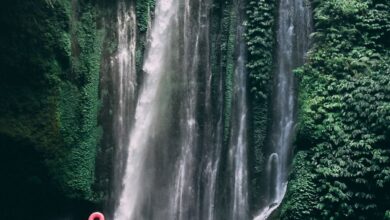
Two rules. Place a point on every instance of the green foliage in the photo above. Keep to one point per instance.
(301, 188)
(261, 41)
(50, 58)
(260, 38)
(78, 107)
(143, 11)
(345, 111)
(34, 54)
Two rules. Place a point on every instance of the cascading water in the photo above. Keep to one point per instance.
(164, 178)
(124, 81)
(173, 137)
(149, 109)
(189, 198)
(294, 27)
(238, 134)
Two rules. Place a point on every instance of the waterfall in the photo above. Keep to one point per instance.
(238, 134)
(294, 26)
(124, 81)
(184, 192)
(149, 109)
(170, 129)
(171, 163)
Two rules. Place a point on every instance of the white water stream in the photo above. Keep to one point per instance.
(294, 26)
(146, 112)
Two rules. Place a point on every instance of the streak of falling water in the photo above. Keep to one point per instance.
(184, 196)
(186, 202)
(124, 82)
(294, 26)
(146, 113)
(238, 140)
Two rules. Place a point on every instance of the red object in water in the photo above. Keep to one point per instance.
(96, 216)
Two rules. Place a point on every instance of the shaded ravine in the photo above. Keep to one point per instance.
(294, 27)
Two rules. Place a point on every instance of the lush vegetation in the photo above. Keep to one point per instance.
(343, 171)
(49, 60)
(261, 43)
(79, 104)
